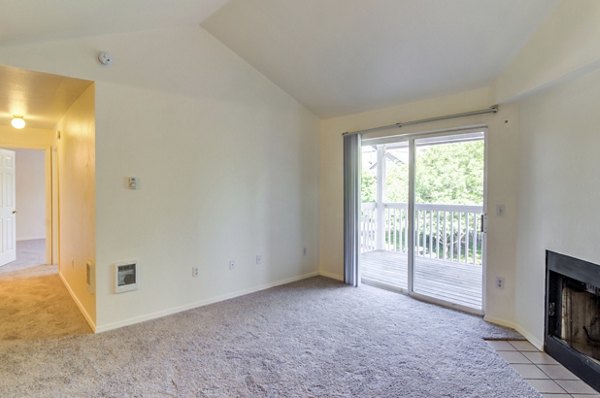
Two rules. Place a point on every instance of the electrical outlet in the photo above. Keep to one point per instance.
(231, 265)
(499, 282)
(259, 259)
(195, 272)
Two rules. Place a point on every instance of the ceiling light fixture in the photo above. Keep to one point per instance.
(18, 122)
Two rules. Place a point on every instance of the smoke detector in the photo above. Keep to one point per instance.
(105, 58)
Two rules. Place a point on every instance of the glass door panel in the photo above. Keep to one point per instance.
(384, 223)
(448, 209)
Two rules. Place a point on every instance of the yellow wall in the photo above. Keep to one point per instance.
(77, 199)
(26, 138)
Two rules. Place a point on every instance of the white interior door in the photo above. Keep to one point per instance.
(8, 252)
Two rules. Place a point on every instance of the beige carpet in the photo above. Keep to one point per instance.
(34, 303)
(314, 338)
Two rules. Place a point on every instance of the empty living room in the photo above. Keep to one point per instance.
(300, 198)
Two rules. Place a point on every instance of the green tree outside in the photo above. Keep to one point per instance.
(449, 173)
(445, 174)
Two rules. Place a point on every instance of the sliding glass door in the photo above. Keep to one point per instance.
(448, 247)
(384, 215)
(422, 214)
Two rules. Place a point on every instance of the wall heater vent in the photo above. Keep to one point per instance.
(126, 277)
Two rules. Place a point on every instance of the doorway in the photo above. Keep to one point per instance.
(422, 217)
(59, 121)
(31, 205)
(31, 232)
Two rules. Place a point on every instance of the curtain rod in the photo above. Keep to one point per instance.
(491, 109)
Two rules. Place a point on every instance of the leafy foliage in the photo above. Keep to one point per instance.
(445, 174)
(450, 173)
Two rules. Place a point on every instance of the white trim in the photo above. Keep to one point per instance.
(331, 275)
(82, 309)
(386, 286)
(398, 138)
(484, 222)
(22, 239)
(201, 303)
(529, 336)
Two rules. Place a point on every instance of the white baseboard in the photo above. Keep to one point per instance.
(331, 275)
(174, 310)
(82, 309)
(31, 238)
(529, 336)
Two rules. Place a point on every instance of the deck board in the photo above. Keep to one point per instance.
(444, 280)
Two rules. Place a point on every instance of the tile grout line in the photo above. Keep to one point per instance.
(524, 347)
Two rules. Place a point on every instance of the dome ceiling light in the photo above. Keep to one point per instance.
(18, 122)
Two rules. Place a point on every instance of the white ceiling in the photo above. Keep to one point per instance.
(35, 20)
(41, 98)
(334, 56)
(344, 56)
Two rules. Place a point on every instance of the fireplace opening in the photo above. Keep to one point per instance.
(573, 315)
(580, 326)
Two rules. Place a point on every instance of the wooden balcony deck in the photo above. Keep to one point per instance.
(443, 280)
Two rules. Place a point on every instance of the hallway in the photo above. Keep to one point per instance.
(34, 303)
(30, 253)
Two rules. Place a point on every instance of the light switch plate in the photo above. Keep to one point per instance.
(132, 182)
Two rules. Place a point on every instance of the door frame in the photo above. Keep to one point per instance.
(410, 138)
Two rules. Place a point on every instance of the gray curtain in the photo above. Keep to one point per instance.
(351, 208)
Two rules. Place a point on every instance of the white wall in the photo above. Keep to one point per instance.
(564, 46)
(502, 182)
(76, 198)
(551, 81)
(559, 188)
(30, 194)
(227, 166)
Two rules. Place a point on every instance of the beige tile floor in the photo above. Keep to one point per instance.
(540, 370)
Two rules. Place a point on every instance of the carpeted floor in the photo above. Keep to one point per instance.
(34, 303)
(314, 338)
(30, 253)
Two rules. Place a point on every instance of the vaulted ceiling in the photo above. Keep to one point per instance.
(345, 56)
(334, 56)
(43, 98)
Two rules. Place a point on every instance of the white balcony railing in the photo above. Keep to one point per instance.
(446, 232)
